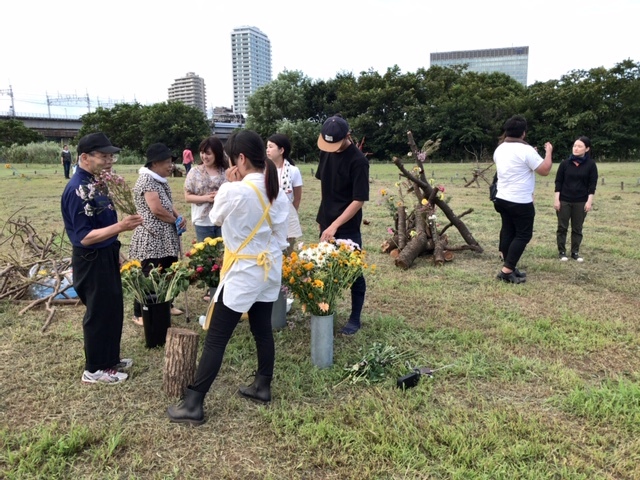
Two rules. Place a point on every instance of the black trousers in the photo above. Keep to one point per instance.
(575, 213)
(516, 231)
(147, 266)
(223, 323)
(96, 279)
(67, 168)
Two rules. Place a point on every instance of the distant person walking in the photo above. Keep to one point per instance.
(65, 160)
(96, 262)
(517, 162)
(576, 182)
(187, 159)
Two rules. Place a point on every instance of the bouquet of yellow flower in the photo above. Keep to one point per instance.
(319, 273)
(161, 285)
(205, 258)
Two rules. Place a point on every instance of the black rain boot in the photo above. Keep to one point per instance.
(189, 410)
(259, 391)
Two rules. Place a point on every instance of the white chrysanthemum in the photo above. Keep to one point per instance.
(318, 254)
(350, 244)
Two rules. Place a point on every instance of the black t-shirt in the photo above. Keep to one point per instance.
(344, 178)
(66, 156)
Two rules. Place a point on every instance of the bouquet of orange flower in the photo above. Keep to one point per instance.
(205, 258)
(161, 285)
(319, 273)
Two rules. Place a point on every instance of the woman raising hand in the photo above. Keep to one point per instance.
(253, 211)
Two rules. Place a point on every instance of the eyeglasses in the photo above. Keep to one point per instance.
(108, 157)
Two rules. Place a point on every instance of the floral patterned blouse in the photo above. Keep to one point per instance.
(199, 182)
(155, 238)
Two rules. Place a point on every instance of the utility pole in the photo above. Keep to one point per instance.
(12, 109)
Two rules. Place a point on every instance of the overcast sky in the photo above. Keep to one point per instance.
(134, 49)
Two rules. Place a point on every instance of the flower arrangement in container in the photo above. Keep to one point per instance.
(205, 258)
(161, 285)
(319, 273)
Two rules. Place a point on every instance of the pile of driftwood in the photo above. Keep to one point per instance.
(30, 263)
(416, 233)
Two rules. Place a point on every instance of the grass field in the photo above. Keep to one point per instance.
(544, 382)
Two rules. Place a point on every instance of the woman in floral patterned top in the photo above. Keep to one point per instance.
(156, 242)
(202, 184)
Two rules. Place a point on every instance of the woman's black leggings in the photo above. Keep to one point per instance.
(223, 323)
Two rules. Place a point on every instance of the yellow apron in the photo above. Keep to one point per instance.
(231, 257)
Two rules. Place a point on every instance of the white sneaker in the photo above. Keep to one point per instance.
(108, 375)
(563, 257)
(124, 364)
(577, 257)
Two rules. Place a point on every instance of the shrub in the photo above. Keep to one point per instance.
(42, 152)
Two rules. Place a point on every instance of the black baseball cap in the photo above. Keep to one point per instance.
(334, 130)
(96, 142)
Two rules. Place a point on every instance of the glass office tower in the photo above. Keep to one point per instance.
(514, 61)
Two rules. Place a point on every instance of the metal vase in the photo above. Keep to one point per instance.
(322, 340)
(279, 312)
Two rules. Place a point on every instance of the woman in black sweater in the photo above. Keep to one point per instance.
(576, 182)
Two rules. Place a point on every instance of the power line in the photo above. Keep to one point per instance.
(61, 100)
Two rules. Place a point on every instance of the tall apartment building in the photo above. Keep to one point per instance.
(189, 90)
(251, 61)
(514, 61)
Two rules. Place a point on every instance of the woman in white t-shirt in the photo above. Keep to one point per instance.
(290, 180)
(517, 163)
(202, 184)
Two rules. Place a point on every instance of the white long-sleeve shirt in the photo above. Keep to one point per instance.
(238, 209)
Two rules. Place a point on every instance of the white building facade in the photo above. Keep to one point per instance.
(251, 62)
(189, 90)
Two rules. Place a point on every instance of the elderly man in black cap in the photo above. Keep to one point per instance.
(344, 174)
(93, 232)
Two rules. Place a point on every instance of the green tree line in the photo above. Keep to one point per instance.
(465, 110)
(134, 126)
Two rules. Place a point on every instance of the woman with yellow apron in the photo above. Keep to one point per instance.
(253, 211)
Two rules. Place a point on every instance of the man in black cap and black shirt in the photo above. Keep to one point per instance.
(344, 174)
(93, 227)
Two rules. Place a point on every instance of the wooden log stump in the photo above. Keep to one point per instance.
(438, 243)
(390, 244)
(180, 353)
(402, 228)
(416, 246)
